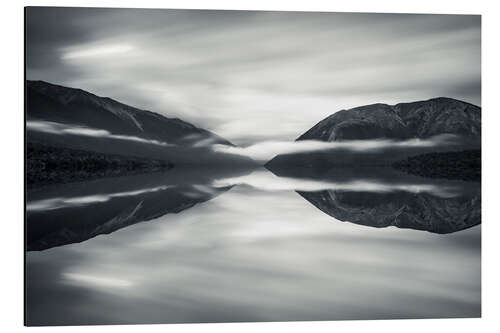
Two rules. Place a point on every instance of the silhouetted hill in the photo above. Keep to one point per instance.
(422, 119)
(78, 107)
(444, 117)
(75, 119)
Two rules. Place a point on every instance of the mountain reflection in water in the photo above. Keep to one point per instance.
(81, 211)
(244, 246)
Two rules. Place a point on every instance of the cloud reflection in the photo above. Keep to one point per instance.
(267, 181)
(251, 255)
(57, 203)
(96, 281)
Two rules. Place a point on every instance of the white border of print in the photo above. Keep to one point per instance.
(12, 162)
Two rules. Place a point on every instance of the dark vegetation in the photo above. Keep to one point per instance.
(457, 165)
(47, 164)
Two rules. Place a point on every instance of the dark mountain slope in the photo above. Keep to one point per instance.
(459, 122)
(420, 119)
(84, 121)
(77, 107)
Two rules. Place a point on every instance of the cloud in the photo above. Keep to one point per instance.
(66, 129)
(96, 51)
(255, 76)
(95, 281)
(264, 151)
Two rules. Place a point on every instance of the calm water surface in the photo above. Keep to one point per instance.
(196, 247)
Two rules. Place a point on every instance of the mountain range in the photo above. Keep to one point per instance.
(422, 119)
(56, 103)
(76, 119)
(456, 121)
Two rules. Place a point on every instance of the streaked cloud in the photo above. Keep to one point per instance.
(67, 129)
(255, 76)
(264, 151)
(96, 281)
(95, 51)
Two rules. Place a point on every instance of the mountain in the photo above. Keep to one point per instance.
(418, 211)
(422, 119)
(452, 124)
(56, 103)
(75, 119)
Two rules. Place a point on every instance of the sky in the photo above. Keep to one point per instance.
(254, 76)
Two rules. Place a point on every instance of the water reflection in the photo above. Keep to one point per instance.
(256, 252)
(72, 213)
(418, 211)
(383, 198)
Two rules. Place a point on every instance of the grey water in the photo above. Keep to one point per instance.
(248, 245)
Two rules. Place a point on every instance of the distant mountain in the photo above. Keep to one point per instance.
(460, 121)
(418, 211)
(81, 120)
(421, 119)
(56, 103)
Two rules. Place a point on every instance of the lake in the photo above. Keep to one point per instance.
(190, 246)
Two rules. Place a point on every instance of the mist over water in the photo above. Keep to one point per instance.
(264, 151)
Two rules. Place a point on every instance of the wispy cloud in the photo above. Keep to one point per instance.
(255, 76)
(95, 51)
(264, 151)
(67, 129)
(96, 281)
